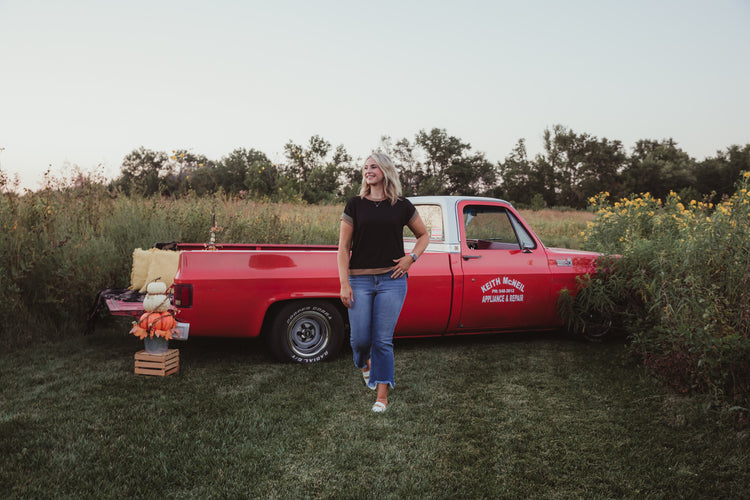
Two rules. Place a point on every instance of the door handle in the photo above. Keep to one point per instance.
(467, 257)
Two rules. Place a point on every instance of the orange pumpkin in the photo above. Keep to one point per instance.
(155, 324)
(157, 321)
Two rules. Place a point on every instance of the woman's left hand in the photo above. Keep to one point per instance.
(402, 266)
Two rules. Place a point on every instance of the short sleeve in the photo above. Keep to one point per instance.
(350, 212)
(410, 212)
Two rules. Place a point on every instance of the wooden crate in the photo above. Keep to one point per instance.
(159, 365)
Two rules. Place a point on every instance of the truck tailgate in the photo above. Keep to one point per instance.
(122, 302)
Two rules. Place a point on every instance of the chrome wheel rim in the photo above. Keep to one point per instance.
(307, 334)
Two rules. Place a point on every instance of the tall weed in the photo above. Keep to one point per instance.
(558, 227)
(679, 286)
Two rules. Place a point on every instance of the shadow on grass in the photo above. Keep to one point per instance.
(253, 350)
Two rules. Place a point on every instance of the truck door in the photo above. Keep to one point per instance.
(506, 279)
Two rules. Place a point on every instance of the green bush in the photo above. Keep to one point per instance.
(537, 202)
(678, 288)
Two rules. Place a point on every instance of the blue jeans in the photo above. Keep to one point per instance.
(372, 317)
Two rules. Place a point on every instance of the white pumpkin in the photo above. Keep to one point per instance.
(156, 302)
(156, 288)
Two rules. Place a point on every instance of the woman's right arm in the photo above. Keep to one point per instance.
(345, 244)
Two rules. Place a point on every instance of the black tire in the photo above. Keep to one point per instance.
(597, 328)
(306, 332)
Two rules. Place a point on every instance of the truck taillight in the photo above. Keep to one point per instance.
(183, 295)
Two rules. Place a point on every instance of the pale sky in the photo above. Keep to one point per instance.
(86, 82)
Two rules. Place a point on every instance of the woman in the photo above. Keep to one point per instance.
(373, 279)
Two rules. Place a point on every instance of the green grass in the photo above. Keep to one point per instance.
(520, 416)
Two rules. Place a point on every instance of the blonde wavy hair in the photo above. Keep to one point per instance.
(391, 183)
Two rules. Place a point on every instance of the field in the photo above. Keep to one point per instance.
(540, 416)
(559, 228)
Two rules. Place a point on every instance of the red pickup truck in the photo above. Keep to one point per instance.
(484, 271)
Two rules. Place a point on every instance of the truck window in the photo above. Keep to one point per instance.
(489, 228)
(522, 233)
(432, 215)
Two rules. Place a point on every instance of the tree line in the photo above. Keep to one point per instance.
(571, 168)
